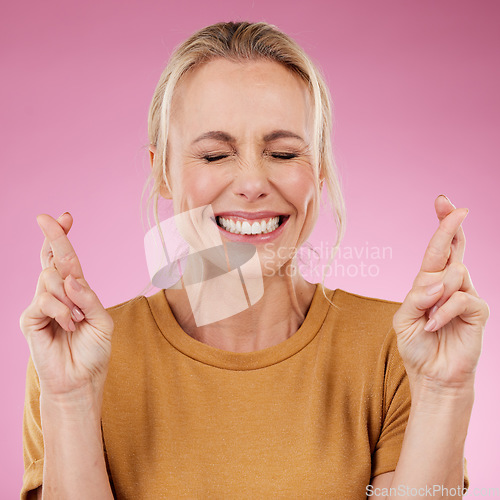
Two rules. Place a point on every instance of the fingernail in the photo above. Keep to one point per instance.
(433, 310)
(74, 284)
(430, 325)
(449, 201)
(77, 313)
(432, 289)
(71, 326)
(61, 216)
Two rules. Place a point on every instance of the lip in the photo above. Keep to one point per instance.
(252, 238)
(250, 215)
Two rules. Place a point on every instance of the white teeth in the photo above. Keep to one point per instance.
(246, 228)
(257, 227)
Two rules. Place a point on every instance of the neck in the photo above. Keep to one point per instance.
(271, 320)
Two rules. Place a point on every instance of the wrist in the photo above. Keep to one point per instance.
(434, 395)
(82, 403)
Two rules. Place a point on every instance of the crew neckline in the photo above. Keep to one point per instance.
(229, 360)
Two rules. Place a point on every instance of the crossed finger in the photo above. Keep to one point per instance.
(443, 207)
(57, 251)
(456, 278)
(50, 281)
(439, 249)
(46, 254)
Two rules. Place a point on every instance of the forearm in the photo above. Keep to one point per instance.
(73, 452)
(432, 453)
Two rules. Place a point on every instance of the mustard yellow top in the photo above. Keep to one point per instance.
(315, 416)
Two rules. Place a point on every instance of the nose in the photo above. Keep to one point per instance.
(251, 183)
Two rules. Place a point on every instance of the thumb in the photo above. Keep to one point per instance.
(415, 305)
(86, 299)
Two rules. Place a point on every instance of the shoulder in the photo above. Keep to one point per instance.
(363, 324)
(136, 321)
(360, 308)
(368, 334)
(364, 300)
(128, 311)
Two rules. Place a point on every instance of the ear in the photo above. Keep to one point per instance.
(321, 181)
(152, 152)
(164, 192)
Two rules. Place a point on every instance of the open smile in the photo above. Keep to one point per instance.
(242, 226)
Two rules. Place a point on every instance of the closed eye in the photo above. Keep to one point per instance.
(280, 156)
(214, 158)
(284, 156)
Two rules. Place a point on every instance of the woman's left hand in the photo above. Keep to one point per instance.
(440, 323)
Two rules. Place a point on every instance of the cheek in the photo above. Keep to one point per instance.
(298, 186)
(200, 187)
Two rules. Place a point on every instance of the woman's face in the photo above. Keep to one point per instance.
(240, 141)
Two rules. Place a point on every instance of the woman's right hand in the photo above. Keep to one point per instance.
(70, 347)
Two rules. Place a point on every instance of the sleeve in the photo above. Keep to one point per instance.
(396, 411)
(32, 434)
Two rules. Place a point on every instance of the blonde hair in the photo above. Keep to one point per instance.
(239, 42)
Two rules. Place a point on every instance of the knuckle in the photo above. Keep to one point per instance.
(461, 298)
(433, 251)
(43, 274)
(89, 293)
(48, 273)
(421, 291)
(67, 258)
(412, 294)
(409, 297)
(44, 249)
(415, 296)
(63, 313)
(419, 279)
(460, 269)
(22, 320)
(43, 300)
(52, 279)
(486, 308)
(111, 323)
(457, 267)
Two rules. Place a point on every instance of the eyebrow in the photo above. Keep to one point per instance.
(219, 135)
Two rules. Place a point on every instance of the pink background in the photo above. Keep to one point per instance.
(416, 110)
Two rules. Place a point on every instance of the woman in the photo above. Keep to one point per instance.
(304, 392)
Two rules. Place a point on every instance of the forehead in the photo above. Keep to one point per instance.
(245, 96)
